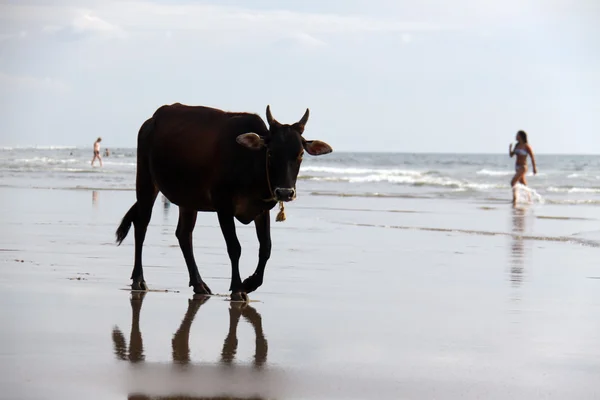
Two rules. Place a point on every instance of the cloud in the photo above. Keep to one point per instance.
(89, 23)
(307, 40)
(205, 17)
(60, 20)
(51, 29)
(31, 82)
(18, 35)
(118, 19)
(114, 18)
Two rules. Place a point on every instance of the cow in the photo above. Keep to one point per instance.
(210, 160)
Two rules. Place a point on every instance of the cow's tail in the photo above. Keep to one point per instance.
(145, 130)
(126, 222)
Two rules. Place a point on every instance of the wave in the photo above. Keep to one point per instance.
(495, 200)
(359, 171)
(490, 172)
(129, 164)
(45, 164)
(46, 160)
(369, 195)
(592, 177)
(10, 148)
(570, 189)
(573, 202)
(531, 193)
(410, 180)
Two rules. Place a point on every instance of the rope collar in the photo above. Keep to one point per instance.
(281, 214)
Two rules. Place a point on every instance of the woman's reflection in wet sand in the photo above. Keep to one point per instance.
(180, 342)
(95, 198)
(517, 251)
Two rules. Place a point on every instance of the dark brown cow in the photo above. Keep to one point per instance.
(204, 159)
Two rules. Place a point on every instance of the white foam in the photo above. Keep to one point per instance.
(490, 172)
(360, 171)
(573, 190)
(424, 180)
(574, 201)
(53, 147)
(129, 164)
(529, 193)
(46, 160)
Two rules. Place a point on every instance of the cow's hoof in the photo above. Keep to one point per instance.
(139, 286)
(199, 298)
(239, 296)
(251, 283)
(202, 288)
(138, 295)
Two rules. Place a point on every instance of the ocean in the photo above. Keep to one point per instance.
(562, 179)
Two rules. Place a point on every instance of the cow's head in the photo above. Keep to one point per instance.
(285, 147)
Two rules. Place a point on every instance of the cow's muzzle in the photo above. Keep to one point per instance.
(285, 194)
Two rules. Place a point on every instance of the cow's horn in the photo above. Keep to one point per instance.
(270, 118)
(304, 119)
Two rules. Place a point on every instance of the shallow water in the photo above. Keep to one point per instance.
(563, 180)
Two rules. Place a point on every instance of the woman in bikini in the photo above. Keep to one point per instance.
(522, 149)
(97, 151)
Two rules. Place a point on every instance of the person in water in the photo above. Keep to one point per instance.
(97, 151)
(521, 150)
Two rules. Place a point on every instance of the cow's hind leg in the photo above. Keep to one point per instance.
(146, 197)
(263, 232)
(185, 226)
(234, 250)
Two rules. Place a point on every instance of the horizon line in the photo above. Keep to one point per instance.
(66, 147)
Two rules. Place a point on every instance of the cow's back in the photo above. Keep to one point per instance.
(194, 157)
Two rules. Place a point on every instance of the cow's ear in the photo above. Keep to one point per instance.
(316, 147)
(251, 141)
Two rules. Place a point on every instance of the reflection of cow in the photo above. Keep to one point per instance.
(180, 342)
(134, 353)
(176, 397)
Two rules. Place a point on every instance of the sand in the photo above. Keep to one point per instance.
(402, 299)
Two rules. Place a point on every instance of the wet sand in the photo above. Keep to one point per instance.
(363, 298)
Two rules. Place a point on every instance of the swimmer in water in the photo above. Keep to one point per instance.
(521, 150)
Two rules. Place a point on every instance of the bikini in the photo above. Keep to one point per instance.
(520, 152)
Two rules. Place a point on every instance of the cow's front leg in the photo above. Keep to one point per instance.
(234, 250)
(263, 231)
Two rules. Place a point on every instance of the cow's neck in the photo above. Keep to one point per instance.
(268, 178)
(281, 214)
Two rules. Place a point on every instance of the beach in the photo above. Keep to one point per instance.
(399, 298)
(434, 171)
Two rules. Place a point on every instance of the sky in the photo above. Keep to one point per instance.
(377, 75)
